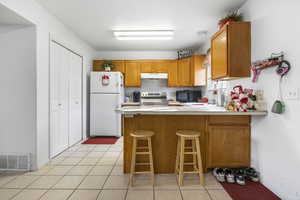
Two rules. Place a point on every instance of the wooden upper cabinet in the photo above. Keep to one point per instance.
(172, 73)
(154, 66)
(119, 65)
(184, 72)
(146, 67)
(219, 58)
(199, 73)
(231, 51)
(132, 74)
(159, 67)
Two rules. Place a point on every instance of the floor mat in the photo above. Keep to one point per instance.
(101, 140)
(250, 191)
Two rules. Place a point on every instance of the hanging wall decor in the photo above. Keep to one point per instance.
(185, 53)
(283, 66)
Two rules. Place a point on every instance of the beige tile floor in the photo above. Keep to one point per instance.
(95, 172)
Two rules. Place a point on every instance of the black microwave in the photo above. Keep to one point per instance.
(186, 96)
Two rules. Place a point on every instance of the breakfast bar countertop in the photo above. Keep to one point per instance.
(186, 109)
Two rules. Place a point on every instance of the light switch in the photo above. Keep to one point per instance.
(291, 94)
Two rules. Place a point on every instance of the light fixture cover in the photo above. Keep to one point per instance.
(144, 34)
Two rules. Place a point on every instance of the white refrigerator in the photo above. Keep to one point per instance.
(106, 96)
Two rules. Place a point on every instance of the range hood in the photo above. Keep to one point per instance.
(154, 76)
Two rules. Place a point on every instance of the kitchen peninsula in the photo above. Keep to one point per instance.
(225, 135)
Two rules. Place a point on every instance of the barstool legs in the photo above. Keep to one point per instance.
(151, 160)
(148, 152)
(133, 157)
(177, 156)
(200, 168)
(182, 146)
(196, 156)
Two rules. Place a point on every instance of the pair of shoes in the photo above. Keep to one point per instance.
(230, 176)
(224, 174)
(252, 174)
(240, 176)
(219, 173)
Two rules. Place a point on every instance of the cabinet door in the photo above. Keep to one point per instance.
(228, 146)
(184, 72)
(198, 70)
(172, 73)
(159, 67)
(219, 55)
(132, 74)
(146, 67)
(119, 66)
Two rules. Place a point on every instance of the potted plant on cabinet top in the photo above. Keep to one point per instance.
(108, 65)
(233, 16)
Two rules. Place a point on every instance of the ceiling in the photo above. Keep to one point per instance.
(8, 17)
(94, 20)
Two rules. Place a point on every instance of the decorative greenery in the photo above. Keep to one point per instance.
(108, 64)
(234, 15)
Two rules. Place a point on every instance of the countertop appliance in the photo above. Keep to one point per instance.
(136, 96)
(154, 98)
(106, 96)
(185, 96)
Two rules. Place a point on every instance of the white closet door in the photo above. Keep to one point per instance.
(58, 100)
(75, 68)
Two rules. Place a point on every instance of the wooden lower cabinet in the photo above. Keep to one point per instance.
(225, 140)
(228, 146)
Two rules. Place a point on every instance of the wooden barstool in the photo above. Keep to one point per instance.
(194, 150)
(146, 150)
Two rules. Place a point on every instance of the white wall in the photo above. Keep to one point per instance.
(135, 55)
(47, 24)
(17, 86)
(275, 138)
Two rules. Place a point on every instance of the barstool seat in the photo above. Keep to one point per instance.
(194, 150)
(146, 150)
(188, 133)
(142, 134)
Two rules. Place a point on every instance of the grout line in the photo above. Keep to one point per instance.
(210, 197)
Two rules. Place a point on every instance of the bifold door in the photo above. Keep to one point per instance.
(65, 99)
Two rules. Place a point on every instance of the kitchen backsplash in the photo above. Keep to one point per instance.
(158, 86)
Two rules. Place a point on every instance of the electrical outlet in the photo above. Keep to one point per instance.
(292, 94)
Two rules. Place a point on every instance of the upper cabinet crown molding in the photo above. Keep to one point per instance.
(231, 51)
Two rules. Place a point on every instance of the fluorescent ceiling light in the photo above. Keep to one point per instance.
(144, 34)
(144, 38)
